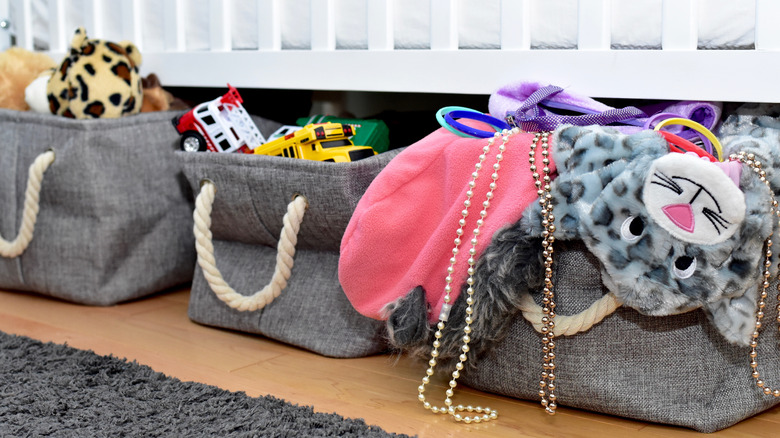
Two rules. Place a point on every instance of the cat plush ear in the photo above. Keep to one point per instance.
(755, 129)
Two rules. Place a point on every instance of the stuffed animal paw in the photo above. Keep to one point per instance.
(18, 68)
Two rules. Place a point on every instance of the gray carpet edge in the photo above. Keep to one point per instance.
(55, 390)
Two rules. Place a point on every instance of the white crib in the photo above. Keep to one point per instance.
(678, 68)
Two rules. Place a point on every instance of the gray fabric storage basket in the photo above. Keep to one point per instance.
(115, 213)
(252, 195)
(675, 370)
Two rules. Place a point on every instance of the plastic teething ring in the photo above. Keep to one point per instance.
(697, 127)
(446, 119)
(497, 124)
(446, 109)
(681, 145)
(650, 123)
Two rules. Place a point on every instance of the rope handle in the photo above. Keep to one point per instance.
(568, 325)
(32, 193)
(288, 238)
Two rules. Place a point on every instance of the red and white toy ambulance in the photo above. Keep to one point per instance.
(220, 125)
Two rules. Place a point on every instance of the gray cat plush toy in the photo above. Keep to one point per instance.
(673, 232)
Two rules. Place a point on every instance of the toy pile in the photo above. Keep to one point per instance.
(97, 79)
(370, 132)
(223, 125)
(676, 219)
(101, 79)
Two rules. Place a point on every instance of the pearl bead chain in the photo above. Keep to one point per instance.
(547, 384)
(482, 414)
(750, 161)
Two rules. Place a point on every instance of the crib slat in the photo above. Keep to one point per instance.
(767, 30)
(379, 20)
(594, 25)
(56, 15)
(680, 29)
(23, 24)
(219, 25)
(5, 25)
(515, 24)
(269, 31)
(93, 18)
(132, 14)
(323, 25)
(173, 11)
(444, 25)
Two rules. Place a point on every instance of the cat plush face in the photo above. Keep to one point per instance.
(694, 199)
(673, 232)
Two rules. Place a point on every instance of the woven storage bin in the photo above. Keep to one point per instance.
(112, 217)
(250, 196)
(675, 369)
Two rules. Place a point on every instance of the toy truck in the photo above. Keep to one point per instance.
(320, 141)
(220, 125)
(368, 132)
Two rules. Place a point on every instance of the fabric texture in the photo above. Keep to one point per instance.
(115, 219)
(252, 194)
(56, 390)
(676, 369)
(411, 212)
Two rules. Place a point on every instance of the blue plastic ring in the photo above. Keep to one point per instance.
(497, 124)
(444, 124)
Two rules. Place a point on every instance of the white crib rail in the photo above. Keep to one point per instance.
(677, 71)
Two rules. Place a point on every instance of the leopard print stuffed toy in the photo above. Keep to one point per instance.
(98, 79)
(672, 232)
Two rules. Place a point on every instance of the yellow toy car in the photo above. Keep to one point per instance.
(319, 141)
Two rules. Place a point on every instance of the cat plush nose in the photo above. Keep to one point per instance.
(681, 215)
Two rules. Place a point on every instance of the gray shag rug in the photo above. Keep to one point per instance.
(48, 389)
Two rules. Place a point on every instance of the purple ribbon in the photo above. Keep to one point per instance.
(532, 117)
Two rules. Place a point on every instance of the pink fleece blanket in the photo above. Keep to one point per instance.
(402, 232)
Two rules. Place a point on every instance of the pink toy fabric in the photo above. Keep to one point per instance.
(402, 232)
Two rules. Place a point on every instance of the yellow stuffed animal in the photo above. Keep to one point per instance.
(18, 68)
(99, 79)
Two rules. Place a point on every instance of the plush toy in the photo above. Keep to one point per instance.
(18, 68)
(156, 98)
(98, 79)
(673, 232)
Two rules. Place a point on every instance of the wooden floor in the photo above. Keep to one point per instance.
(382, 389)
